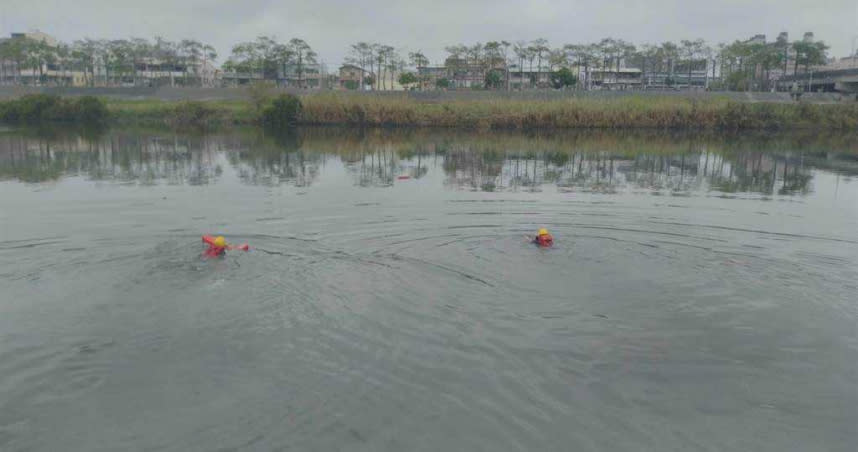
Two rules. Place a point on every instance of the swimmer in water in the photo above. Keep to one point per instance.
(543, 238)
(218, 246)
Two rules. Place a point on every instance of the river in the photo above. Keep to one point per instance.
(701, 293)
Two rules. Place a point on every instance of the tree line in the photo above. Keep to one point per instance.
(270, 59)
(744, 65)
(108, 62)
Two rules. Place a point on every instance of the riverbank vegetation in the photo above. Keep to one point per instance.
(607, 113)
(622, 112)
(41, 108)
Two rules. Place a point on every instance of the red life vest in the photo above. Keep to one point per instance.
(544, 240)
(213, 250)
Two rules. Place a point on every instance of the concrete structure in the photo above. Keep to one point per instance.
(624, 78)
(526, 77)
(310, 76)
(232, 79)
(822, 79)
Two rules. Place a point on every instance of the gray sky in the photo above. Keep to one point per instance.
(330, 26)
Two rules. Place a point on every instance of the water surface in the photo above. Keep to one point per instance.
(701, 295)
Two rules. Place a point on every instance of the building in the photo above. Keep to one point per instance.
(528, 76)
(37, 36)
(58, 72)
(11, 73)
(463, 74)
(844, 63)
(8, 68)
(239, 78)
(304, 76)
(616, 79)
(429, 76)
(352, 77)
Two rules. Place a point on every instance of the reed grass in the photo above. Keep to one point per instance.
(615, 113)
(622, 112)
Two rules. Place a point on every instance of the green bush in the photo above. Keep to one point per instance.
(562, 78)
(91, 110)
(193, 114)
(283, 112)
(40, 108)
(493, 79)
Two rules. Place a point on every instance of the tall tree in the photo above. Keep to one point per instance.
(166, 53)
(783, 45)
(209, 56)
(540, 49)
(521, 51)
(418, 60)
(691, 51)
(191, 53)
(647, 56)
(456, 61)
(557, 58)
(141, 56)
(302, 55)
(360, 55)
(670, 53)
(119, 58)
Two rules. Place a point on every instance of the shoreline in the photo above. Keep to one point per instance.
(630, 112)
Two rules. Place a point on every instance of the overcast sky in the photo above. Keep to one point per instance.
(330, 26)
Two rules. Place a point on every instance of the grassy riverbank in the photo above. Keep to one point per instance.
(627, 112)
(616, 113)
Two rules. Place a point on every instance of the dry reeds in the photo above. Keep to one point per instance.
(614, 113)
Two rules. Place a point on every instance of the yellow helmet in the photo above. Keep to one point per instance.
(542, 231)
(220, 242)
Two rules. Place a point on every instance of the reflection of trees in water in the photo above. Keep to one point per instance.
(606, 172)
(144, 159)
(466, 168)
(598, 162)
(273, 159)
(373, 168)
(529, 171)
(149, 158)
(379, 165)
(29, 161)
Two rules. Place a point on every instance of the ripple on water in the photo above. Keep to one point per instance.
(384, 325)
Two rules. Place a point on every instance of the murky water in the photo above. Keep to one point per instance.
(701, 294)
